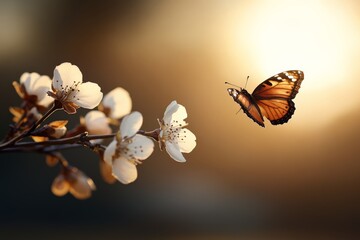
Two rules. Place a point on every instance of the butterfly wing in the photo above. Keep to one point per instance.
(248, 105)
(274, 96)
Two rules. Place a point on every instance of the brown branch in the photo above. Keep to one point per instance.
(82, 139)
(56, 106)
(78, 140)
(41, 148)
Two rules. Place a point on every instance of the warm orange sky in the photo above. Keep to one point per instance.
(185, 50)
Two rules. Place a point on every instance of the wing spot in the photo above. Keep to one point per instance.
(267, 83)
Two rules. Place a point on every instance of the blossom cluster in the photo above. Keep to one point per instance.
(112, 131)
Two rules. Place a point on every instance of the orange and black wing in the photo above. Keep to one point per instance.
(274, 96)
(250, 107)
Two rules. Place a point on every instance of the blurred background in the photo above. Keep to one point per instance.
(297, 179)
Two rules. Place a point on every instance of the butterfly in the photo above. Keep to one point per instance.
(272, 98)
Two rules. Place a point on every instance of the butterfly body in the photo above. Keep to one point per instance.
(272, 98)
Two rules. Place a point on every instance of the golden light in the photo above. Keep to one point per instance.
(260, 38)
(318, 37)
(241, 178)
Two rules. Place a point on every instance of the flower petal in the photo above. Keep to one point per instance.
(66, 74)
(174, 152)
(171, 108)
(119, 102)
(106, 172)
(60, 186)
(186, 140)
(141, 147)
(36, 85)
(58, 132)
(24, 76)
(28, 80)
(89, 95)
(82, 187)
(175, 114)
(58, 123)
(109, 152)
(180, 114)
(40, 88)
(131, 124)
(46, 101)
(97, 123)
(19, 89)
(124, 170)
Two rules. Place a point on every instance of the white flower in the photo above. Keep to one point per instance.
(74, 181)
(34, 88)
(174, 137)
(34, 114)
(70, 90)
(106, 172)
(58, 128)
(128, 149)
(117, 103)
(55, 129)
(97, 123)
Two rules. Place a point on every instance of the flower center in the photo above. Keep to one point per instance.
(68, 93)
(174, 132)
(129, 153)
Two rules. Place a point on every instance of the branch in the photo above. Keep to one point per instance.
(41, 148)
(56, 106)
(78, 139)
(82, 139)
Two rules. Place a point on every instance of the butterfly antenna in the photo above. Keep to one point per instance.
(247, 79)
(232, 84)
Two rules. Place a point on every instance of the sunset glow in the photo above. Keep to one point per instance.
(317, 37)
(151, 59)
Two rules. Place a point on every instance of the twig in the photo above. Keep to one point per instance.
(56, 106)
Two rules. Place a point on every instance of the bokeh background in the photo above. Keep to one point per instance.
(297, 179)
